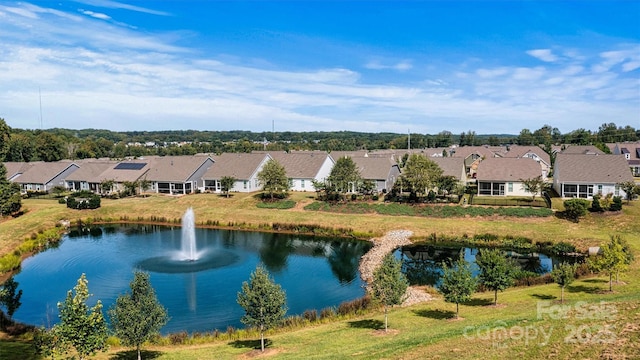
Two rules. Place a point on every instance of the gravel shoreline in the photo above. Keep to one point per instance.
(373, 258)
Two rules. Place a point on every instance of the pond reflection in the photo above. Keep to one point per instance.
(200, 296)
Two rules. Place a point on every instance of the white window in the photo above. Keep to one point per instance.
(510, 187)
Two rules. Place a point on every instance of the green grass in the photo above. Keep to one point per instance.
(282, 204)
(438, 211)
(420, 331)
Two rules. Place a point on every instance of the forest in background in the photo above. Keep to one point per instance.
(57, 144)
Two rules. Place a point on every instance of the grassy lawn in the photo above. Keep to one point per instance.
(590, 329)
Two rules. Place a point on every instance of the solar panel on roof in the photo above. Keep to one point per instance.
(130, 166)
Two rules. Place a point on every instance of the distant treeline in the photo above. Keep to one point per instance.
(57, 144)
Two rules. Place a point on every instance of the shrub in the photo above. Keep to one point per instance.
(617, 204)
(310, 315)
(283, 204)
(83, 200)
(595, 204)
(574, 209)
(562, 248)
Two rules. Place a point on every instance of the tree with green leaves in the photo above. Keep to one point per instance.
(563, 274)
(273, 178)
(534, 186)
(106, 186)
(82, 327)
(630, 189)
(458, 283)
(9, 297)
(263, 301)
(344, 176)
(138, 316)
(5, 137)
(389, 284)
(496, 271)
(226, 184)
(421, 174)
(144, 185)
(10, 198)
(613, 258)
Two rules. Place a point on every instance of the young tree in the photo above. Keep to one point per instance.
(263, 301)
(563, 275)
(629, 188)
(595, 203)
(421, 174)
(144, 185)
(496, 271)
(458, 284)
(9, 298)
(84, 328)
(106, 186)
(389, 284)
(613, 259)
(344, 176)
(273, 178)
(138, 316)
(534, 186)
(226, 184)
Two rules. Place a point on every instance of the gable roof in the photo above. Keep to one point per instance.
(175, 168)
(607, 169)
(517, 151)
(450, 166)
(118, 173)
(238, 165)
(484, 151)
(374, 168)
(91, 171)
(508, 169)
(301, 164)
(582, 149)
(15, 169)
(43, 172)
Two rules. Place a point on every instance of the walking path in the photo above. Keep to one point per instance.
(373, 258)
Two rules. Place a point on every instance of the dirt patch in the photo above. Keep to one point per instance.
(389, 332)
(257, 353)
(459, 318)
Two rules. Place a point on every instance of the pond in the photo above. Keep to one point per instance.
(422, 264)
(200, 292)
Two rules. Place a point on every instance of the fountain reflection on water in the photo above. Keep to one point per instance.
(188, 259)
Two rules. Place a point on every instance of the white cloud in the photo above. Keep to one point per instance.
(118, 5)
(96, 15)
(400, 66)
(543, 54)
(94, 74)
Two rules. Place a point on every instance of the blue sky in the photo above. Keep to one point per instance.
(419, 66)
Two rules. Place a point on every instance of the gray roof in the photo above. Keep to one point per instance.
(606, 169)
(484, 151)
(91, 171)
(238, 165)
(507, 169)
(450, 166)
(301, 164)
(582, 149)
(43, 172)
(516, 151)
(16, 168)
(121, 175)
(374, 168)
(175, 168)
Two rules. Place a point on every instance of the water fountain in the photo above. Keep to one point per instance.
(188, 259)
(189, 236)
